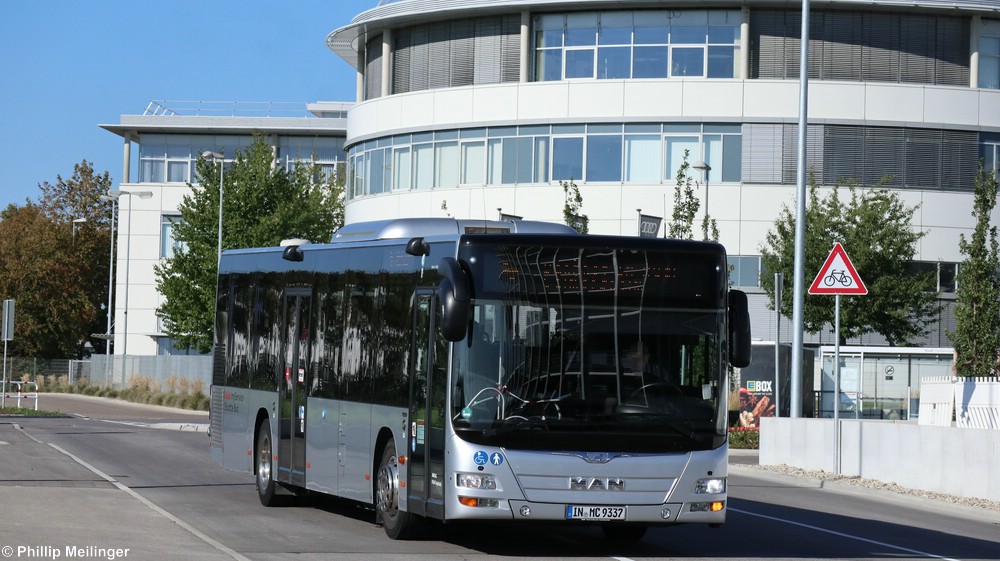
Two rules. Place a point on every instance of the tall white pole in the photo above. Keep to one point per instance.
(778, 281)
(800, 223)
(128, 260)
(111, 274)
(836, 380)
(222, 170)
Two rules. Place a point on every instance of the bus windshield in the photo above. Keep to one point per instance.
(592, 349)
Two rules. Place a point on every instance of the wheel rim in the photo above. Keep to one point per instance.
(388, 483)
(264, 463)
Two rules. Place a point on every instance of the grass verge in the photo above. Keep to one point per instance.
(22, 412)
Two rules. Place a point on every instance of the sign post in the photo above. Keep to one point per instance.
(7, 331)
(837, 276)
(649, 226)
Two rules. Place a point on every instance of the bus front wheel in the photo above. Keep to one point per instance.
(398, 525)
(265, 477)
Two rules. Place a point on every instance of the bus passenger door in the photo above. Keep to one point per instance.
(292, 420)
(428, 368)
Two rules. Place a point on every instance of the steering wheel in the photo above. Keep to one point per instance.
(644, 389)
(629, 406)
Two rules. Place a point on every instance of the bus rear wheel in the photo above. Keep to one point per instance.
(265, 477)
(398, 525)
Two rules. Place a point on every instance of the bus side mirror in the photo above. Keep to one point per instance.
(453, 293)
(739, 329)
(418, 247)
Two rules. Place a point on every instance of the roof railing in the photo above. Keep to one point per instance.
(226, 108)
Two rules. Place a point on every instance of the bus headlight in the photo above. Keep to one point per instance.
(476, 481)
(710, 486)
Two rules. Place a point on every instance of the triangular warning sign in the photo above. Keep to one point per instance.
(838, 275)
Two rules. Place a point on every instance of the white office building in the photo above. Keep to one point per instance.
(473, 108)
(169, 136)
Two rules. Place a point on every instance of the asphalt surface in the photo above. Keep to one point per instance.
(54, 505)
(101, 479)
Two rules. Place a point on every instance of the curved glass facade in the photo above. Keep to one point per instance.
(641, 44)
(640, 153)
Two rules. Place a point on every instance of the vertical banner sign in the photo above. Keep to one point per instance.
(7, 332)
(8, 320)
(649, 226)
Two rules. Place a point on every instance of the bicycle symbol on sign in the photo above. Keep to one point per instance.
(838, 276)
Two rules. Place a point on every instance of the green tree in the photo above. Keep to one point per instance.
(262, 205)
(874, 228)
(977, 312)
(574, 204)
(686, 206)
(54, 259)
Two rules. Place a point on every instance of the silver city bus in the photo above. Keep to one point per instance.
(470, 370)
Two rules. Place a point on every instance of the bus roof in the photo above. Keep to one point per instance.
(406, 228)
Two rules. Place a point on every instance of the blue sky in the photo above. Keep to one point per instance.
(69, 65)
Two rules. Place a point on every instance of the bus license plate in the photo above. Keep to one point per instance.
(595, 512)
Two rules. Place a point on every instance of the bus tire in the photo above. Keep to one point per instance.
(398, 525)
(624, 533)
(265, 476)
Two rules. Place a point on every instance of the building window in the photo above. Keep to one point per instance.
(169, 245)
(941, 275)
(989, 55)
(324, 151)
(641, 44)
(744, 271)
(989, 151)
(644, 153)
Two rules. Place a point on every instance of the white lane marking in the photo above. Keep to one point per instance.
(217, 545)
(848, 536)
(20, 430)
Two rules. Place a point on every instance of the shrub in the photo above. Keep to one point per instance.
(744, 438)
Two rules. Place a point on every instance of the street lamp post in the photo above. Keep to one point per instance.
(703, 166)
(209, 155)
(75, 222)
(111, 266)
(128, 259)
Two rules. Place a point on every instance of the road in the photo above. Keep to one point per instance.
(110, 481)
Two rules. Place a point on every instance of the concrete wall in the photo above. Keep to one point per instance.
(952, 460)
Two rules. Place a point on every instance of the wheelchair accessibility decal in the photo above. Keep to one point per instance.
(482, 458)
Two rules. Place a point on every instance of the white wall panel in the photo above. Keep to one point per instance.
(453, 106)
(417, 110)
(989, 108)
(894, 103)
(388, 113)
(770, 98)
(653, 98)
(543, 100)
(836, 100)
(942, 209)
(713, 98)
(495, 103)
(955, 106)
(604, 98)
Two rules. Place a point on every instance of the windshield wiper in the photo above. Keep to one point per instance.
(681, 427)
(515, 424)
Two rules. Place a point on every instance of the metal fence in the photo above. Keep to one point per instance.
(157, 372)
(31, 368)
(121, 372)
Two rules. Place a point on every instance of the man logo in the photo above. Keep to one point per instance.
(596, 484)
